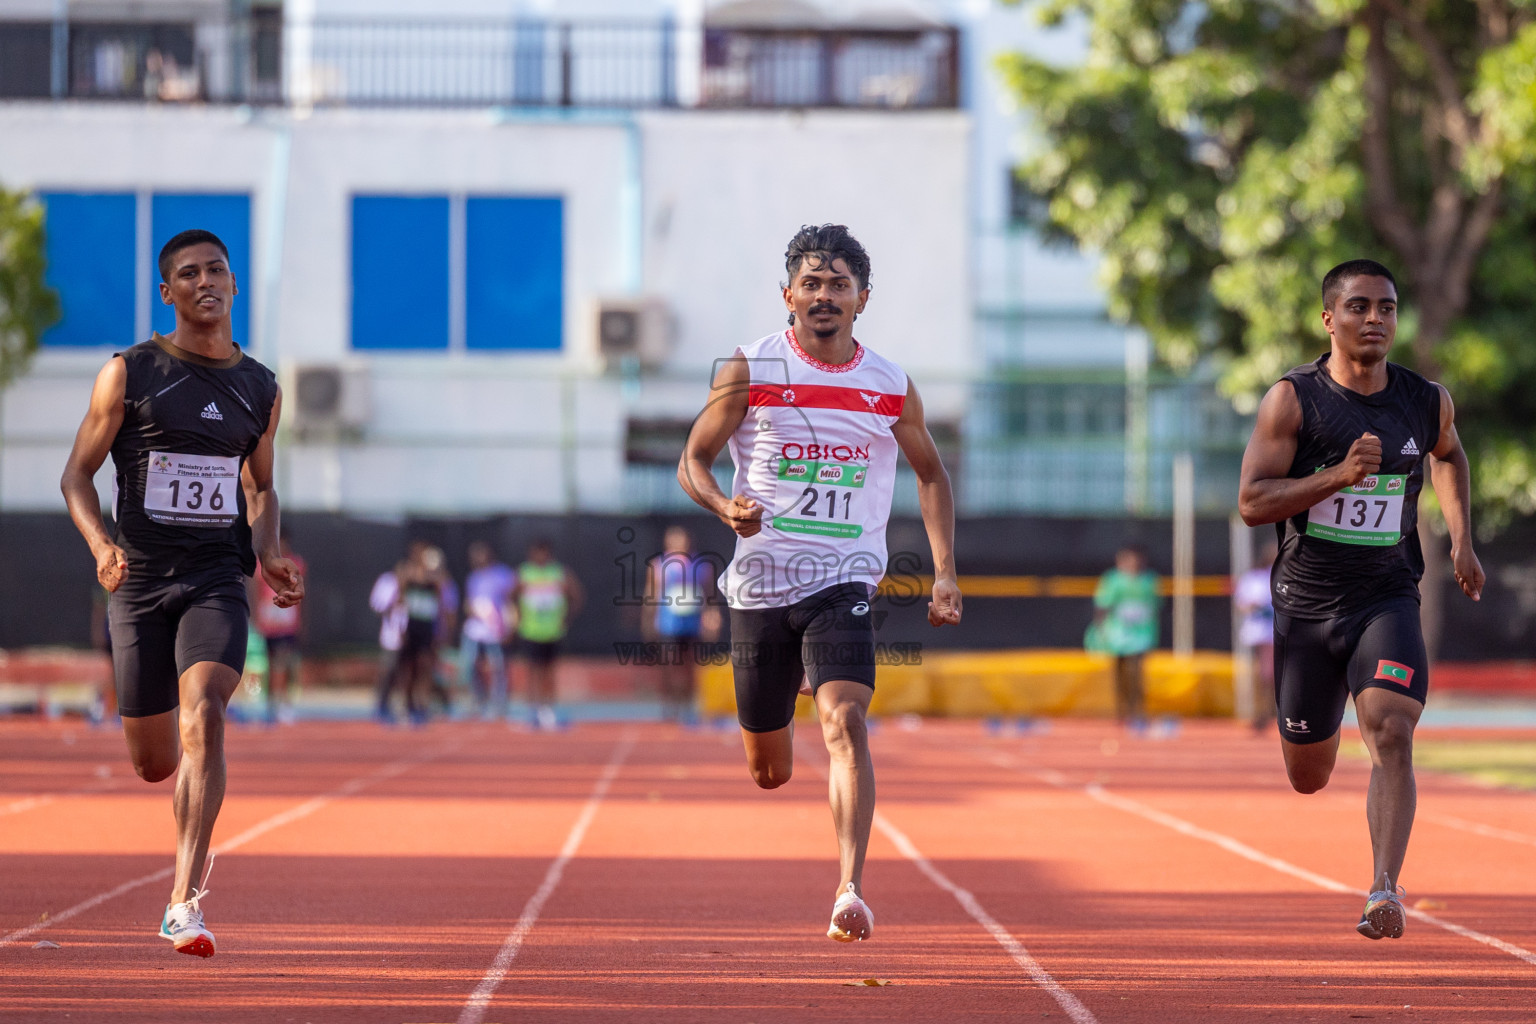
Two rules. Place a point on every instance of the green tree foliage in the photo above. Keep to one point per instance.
(1221, 155)
(27, 305)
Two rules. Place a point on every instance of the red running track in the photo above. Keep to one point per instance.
(374, 875)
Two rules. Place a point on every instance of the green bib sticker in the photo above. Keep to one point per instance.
(820, 528)
(1369, 513)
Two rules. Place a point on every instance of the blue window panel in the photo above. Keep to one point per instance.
(514, 273)
(399, 272)
(90, 242)
(226, 215)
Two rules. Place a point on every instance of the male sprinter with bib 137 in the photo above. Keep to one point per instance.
(1336, 463)
(189, 420)
(813, 420)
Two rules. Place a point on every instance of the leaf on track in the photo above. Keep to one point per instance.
(1428, 904)
(45, 944)
(871, 982)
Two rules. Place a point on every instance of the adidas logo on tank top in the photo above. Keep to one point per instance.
(211, 412)
(1411, 448)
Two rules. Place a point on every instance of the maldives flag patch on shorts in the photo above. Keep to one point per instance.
(1393, 672)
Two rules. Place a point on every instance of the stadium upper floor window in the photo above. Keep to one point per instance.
(747, 53)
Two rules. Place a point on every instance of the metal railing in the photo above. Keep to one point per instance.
(518, 62)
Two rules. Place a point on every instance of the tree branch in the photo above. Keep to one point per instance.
(1382, 202)
(1458, 123)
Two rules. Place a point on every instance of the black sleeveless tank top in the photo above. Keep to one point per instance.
(1361, 545)
(189, 423)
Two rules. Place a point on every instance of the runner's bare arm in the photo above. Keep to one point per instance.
(1452, 478)
(1267, 494)
(93, 443)
(937, 501)
(262, 512)
(726, 409)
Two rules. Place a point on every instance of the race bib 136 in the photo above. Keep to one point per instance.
(191, 490)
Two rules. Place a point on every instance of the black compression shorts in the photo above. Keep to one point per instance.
(162, 626)
(829, 635)
(1318, 663)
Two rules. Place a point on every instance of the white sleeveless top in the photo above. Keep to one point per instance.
(815, 451)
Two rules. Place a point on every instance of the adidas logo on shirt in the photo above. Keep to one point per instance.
(1411, 448)
(211, 412)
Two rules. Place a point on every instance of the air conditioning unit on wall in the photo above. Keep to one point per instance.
(325, 401)
(634, 331)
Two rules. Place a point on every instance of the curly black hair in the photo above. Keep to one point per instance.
(826, 243)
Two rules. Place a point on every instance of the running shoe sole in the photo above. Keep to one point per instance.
(852, 922)
(201, 946)
(1387, 918)
(1367, 929)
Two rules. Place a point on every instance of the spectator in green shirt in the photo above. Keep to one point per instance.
(1125, 613)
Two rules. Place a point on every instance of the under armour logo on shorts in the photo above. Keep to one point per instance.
(1295, 725)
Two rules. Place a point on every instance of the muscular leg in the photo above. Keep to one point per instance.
(1308, 765)
(205, 691)
(842, 704)
(1387, 721)
(770, 756)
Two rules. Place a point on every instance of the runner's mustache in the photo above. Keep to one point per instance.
(824, 307)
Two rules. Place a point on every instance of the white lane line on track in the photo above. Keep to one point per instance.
(1247, 852)
(1476, 828)
(1069, 1003)
(44, 799)
(261, 828)
(480, 998)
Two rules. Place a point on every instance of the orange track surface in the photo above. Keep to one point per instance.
(377, 873)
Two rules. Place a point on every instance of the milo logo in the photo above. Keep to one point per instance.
(796, 469)
(1395, 484)
(829, 474)
(1365, 486)
(858, 476)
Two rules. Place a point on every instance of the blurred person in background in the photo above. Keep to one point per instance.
(447, 623)
(1125, 624)
(421, 579)
(547, 597)
(1256, 633)
(487, 602)
(677, 614)
(384, 599)
(280, 628)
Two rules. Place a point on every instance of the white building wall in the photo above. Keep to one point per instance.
(695, 207)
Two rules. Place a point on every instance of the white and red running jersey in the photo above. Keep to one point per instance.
(815, 450)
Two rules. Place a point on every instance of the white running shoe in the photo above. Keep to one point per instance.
(852, 920)
(183, 922)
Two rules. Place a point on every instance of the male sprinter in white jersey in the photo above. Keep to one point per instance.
(1336, 462)
(813, 419)
(189, 420)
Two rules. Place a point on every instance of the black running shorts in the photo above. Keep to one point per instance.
(1318, 663)
(829, 635)
(163, 626)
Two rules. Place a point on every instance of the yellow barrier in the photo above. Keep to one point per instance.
(1021, 682)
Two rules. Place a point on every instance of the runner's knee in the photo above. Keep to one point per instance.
(770, 774)
(1391, 737)
(154, 766)
(1308, 778)
(202, 725)
(843, 726)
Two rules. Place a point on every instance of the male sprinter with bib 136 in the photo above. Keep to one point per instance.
(189, 420)
(1336, 463)
(813, 420)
